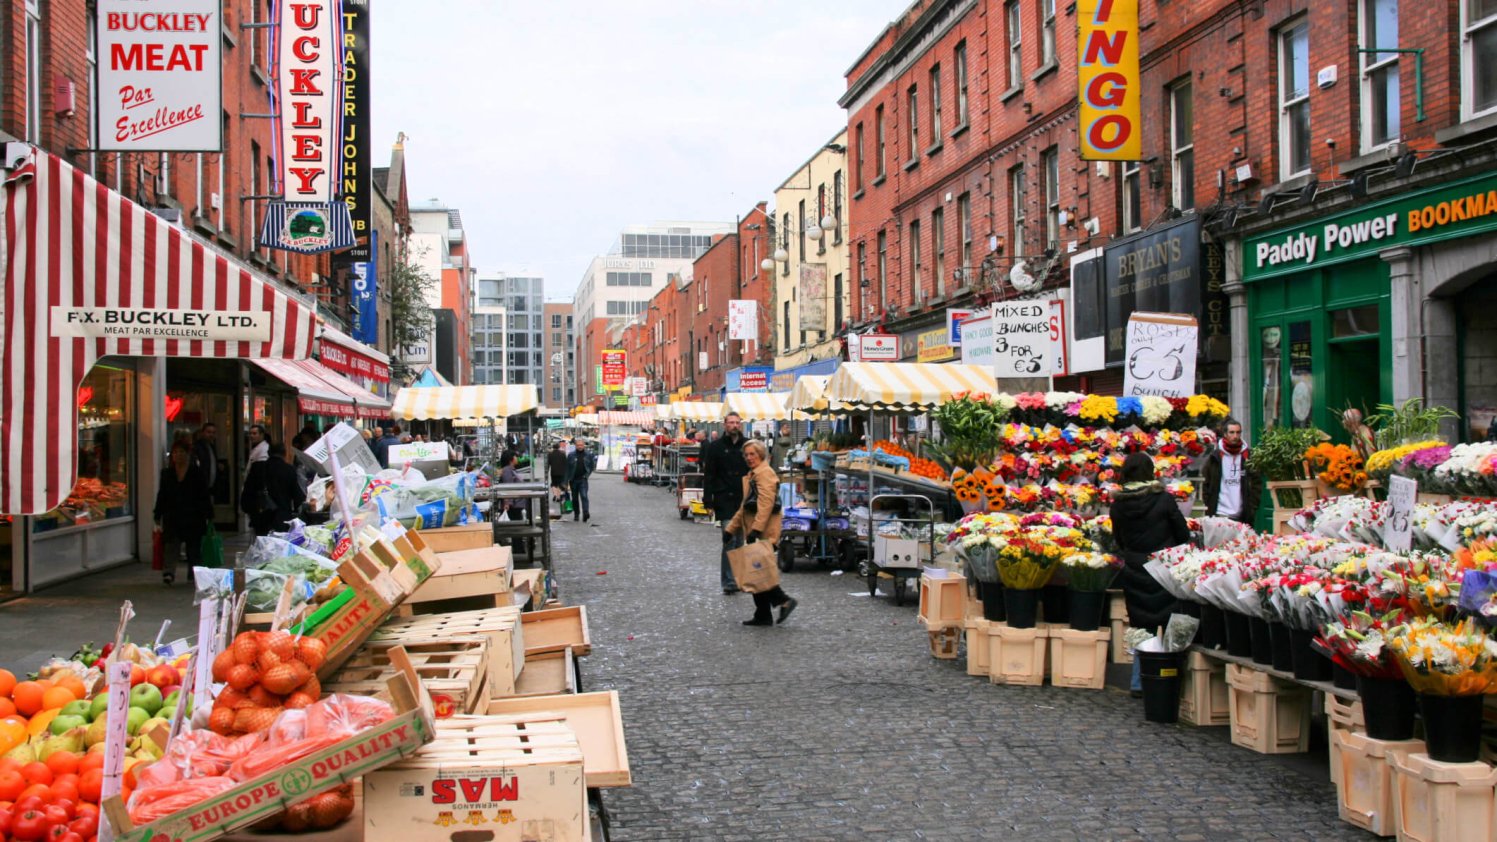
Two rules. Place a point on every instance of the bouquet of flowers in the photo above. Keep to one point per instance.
(1216, 531)
(1445, 659)
(1337, 465)
(1358, 642)
(1032, 554)
(1461, 471)
(1091, 572)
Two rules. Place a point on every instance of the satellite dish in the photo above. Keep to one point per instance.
(1021, 279)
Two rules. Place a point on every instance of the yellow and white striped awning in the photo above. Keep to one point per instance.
(626, 418)
(809, 393)
(697, 411)
(662, 412)
(905, 386)
(757, 406)
(465, 402)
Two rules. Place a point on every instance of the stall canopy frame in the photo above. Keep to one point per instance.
(759, 406)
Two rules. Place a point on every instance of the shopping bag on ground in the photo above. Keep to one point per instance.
(158, 550)
(212, 548)
(754, 567)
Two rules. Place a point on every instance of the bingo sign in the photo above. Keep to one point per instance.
(1021, 339)
(614, 363)
(1161, 355)
(878, 348)
(159, 75)
(1107, 63)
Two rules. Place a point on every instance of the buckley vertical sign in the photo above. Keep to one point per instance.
(308, 83)
(354, 180)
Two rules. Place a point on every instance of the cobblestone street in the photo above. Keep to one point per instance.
(839, 724)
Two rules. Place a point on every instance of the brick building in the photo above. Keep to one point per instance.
(559, 389)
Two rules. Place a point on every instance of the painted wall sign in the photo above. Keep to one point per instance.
(159, 75)
(1108, 78)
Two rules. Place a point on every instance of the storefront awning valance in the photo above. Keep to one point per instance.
(464, 402)
(905, 386)
(313, 395)
(626, 418)
(369, 404)
(346, 355)
(757, 406)
(663, 412)
(89, 274)
(696, 411)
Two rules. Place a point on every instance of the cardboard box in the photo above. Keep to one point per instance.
(1364, 782)
(1204, 696)
(1443, 802)
(1078, 658)
(977, 646)
(500, 625)
(466, 574)
(548, 674)
(1268, 715)
(1016, 656)
(447, 539)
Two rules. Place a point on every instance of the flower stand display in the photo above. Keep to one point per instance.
(1017, 656)
(977, 645)
(1204, 696)
(1078, 658)
(1443, 802)
(1268, 715)
(1362, 769)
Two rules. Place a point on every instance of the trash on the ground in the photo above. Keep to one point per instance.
(838, 572)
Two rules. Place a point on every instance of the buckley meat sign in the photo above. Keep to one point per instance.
(158, 76)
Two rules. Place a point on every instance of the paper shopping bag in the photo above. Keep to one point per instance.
(754, 567)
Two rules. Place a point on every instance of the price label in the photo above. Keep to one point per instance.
(1398, 534)
(116, 732)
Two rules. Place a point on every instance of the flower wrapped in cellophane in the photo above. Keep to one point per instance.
(1091, 572)
(1358, 643)
(1216, 531)
(1445, 659)
(1032, 554)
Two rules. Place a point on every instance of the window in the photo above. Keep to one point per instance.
(857, 151)
(33, 71)
(1018, 191)
(935, 105)
(837, 301)
(522, 340)
(802, 229)
(1479, 57)
(616, 279)
(1051, 160)
(556, 394)
(964, 225)
(938, 247)
(556, 322)
(820, 215)
(622, 308)
(960, 59)
(917, 282)
(1380, 102)
(786, 331)
(837, 206)
(556, 340)
(862, 271)
(1047, 32)
(878, 138)
(883, 270)
(785, 243)
(912, 117)
(1182, 146)
(1132, 202)
(1294, 100)
(1015, 45)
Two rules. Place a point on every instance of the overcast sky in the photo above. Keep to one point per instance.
(551, 125)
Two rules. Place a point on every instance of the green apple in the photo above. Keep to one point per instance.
(62, 723)
(137, 718)
(167, 712)
(146, 696)
(171, 699)
(98, 707)
(79, 708)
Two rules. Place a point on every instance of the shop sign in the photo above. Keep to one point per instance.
(419, 451)
(309, 97)
(354, 176)
(159, 75)
(1059, 348)
(615, 362)
(131, 323)
(878, 348)
(1157, 272)
(1021, 338)
(638, 386)
(419, 353)
(1108, 80)
(306, 228)
(366, 300)
(934, 346)
(648, 400)
(1161, 355)
(753, 380)
(349, 361)
(743, 320)
(977, 340)
(620, 400)
(954, 318)
(1438, 213)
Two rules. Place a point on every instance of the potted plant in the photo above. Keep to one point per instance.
(1279, 458)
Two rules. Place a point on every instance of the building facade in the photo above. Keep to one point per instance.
(813, 284)
(519, 356)
(439, 248)
(489, 327)
(558, 384)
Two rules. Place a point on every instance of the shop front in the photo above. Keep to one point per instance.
(783, 380)
(1388, 301)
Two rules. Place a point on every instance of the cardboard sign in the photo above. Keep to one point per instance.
(977, 341)
(1021, 339)
(1402, 492)
(420, 451)
(159, 75)
(1059, 347)
(1161, 355)
(349, 446)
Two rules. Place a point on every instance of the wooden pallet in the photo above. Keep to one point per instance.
(555, 629)
(596, 719)
(548, 674)
(454, 671)
(471, 536)
(500, 625)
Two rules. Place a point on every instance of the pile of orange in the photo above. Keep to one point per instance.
(28, 707)
(919, 467)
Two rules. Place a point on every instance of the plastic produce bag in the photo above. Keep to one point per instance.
(277, 555)
(264, 587)
(447, 501)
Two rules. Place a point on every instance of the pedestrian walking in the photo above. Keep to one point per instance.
(259, 445)
(182, 512)
(1145, 519)
(556, 471)
(758, 519)
(272, 496)
(205, 455)
(580, 466)
(723, 470)
(1230, 489)
(381, 446)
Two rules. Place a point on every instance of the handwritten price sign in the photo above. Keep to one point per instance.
(1021, 338)
(1161, 355)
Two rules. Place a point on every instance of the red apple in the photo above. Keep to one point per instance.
(174, 688)
(137, 674)
(163, 676)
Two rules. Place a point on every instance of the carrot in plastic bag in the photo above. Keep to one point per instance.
(159, 802)
(268, 758)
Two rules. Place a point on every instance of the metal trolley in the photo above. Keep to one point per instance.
(899, 557)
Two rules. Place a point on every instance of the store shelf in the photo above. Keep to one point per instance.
(899, 478)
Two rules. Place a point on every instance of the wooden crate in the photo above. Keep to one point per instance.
(454, 671)
(555, 629)
(471, 536)
(469, 579)
(530, 589)
(497, 778)
(944, 643)
(500, 625)
(596, 719)
(1016, 656)
(1204, 696)
(548, 674)
(1117, 613)
(942, 602)
(977, 646)
(1268, 715)
(1078, 658)
(1443, 802)
(1364, 780)
(267, 795)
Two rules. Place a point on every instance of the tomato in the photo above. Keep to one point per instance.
(29, 826)
(84, 826)
(55, 832)
(42, 792)
(11, 785)
(87, 809)
(24, 804)
(56, 814)
(37, 773)
(70, 836)
(91, 785)
(67, 806)
(66, 789)
(5, 820)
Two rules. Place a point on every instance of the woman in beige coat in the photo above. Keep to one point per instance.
(759, 519)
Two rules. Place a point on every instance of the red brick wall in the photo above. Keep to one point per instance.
(715, 281)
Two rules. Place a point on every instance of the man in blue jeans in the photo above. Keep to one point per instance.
(580, 466)
(723, 470)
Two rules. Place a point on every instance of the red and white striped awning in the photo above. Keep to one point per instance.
(626, 418)
(368, 403)
(90, 274)
(314, 396)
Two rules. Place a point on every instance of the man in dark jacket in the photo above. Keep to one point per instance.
(556, 470)
(272, 496)
(1230, 490)
(580, 466)
(723, 470)
(205, 456)
(381, 445)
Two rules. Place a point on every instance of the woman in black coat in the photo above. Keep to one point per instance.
(183, 510)
(272, 494)
(1145, 519)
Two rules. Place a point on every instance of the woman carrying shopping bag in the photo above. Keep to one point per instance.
(758, 519)
(183, 511)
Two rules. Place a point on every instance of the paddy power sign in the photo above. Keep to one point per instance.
(1108, 79)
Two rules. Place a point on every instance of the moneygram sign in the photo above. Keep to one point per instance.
(158, 77)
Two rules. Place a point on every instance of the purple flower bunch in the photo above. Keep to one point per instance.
(1428, 459)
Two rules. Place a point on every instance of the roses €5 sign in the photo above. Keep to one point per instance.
(308, 81)
(1107, 63)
